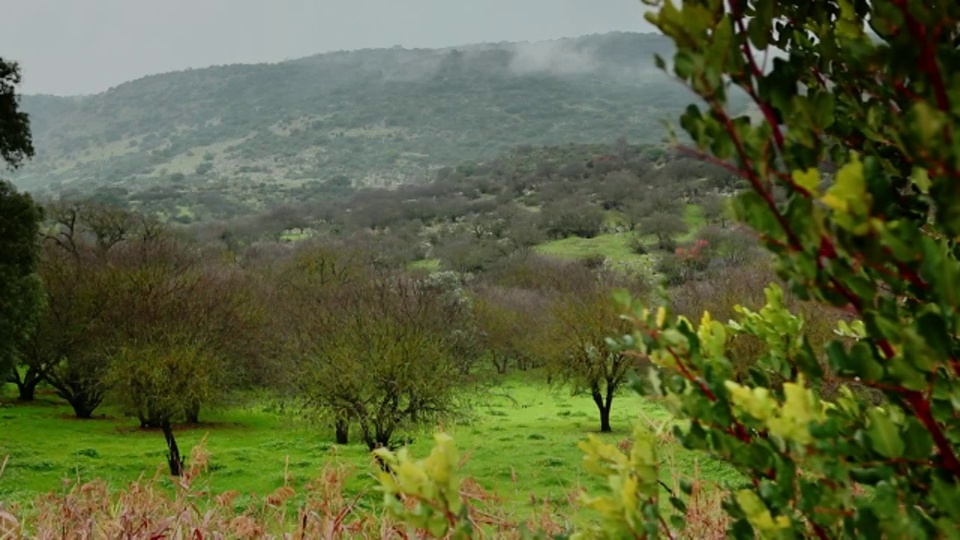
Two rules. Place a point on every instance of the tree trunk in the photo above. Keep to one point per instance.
(343, 431)
(27, 385)
(26, 392)
(192, 412)
(500, 364)
(83, 400)
(173, 454)
(605, 420)
(82, 408)
(604, 408)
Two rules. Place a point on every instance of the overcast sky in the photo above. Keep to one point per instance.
(70, 47)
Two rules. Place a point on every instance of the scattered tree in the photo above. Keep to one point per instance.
(20, 293)
(582, 317)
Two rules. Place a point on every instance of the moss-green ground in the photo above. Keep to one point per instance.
(521, 445)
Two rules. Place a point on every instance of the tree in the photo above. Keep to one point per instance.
(67, 349)
(666, 227)
(307, 285)
(181, 327)
(716, 209)
(16, 143)
(19, 218)
(868, 86)
(510, 322)
(375, 349)
(576, 349)
(20, 295)
(571, 217)
(660, 213)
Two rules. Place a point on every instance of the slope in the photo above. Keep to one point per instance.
(371, 117)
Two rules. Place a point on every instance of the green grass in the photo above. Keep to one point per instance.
(616, 247)
(290, 236)
(430, 265)
(522, 430)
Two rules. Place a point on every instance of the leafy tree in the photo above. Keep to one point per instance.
(183, 330)
(618, 189)
(388, 360)
(19, 288)
(19, 217)
(66, 349)
(666, 227)
(511, 322)
(308, 284)
(20, 294)
(376, 349)
(576, 348)
(16, 142)
(571, 217)
(716, 209)
(73, 337)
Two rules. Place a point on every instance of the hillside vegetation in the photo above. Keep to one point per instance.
(257, 135)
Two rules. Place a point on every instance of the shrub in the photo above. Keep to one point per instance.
(878, 241)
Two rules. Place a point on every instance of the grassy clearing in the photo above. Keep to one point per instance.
(430, 265)
(614, 246)
(521, 445)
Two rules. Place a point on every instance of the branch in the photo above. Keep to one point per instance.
(755, 181)
(928, 58)
(756, 73)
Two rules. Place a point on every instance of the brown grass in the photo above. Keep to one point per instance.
(147, 510)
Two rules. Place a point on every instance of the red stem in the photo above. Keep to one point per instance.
(690, 377)
(757, 73)
(928, 58)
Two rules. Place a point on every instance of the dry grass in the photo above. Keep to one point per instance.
(148, 509)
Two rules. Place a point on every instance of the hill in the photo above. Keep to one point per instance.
(367, 118)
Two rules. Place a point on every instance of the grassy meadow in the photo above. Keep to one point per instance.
(520, 444)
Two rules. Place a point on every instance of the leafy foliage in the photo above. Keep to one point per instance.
(20, 295)
(375, 349)
(867, 241)
(869, 87)
(16, 142)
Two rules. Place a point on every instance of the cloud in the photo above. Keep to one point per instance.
(552, 57)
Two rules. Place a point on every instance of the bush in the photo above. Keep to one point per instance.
(877, 242)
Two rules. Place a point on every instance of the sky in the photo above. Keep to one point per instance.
(71, 47)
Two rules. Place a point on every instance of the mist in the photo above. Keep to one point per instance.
(552, 57)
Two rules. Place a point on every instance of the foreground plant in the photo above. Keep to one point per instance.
(854, 169)
(855, 176)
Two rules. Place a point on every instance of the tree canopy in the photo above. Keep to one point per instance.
(20, 295)
(16, 142)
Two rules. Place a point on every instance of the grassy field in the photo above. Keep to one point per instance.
(615, 247)
(521, 444)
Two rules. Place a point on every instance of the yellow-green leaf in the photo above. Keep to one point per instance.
(809, 179)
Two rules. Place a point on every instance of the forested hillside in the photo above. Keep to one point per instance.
(371, 117)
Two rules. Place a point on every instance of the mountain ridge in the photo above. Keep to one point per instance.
(373, 116)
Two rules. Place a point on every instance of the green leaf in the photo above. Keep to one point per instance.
(884, 436)
(919, 443)
(809, 179)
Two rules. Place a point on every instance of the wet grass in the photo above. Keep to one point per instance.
(521, 444)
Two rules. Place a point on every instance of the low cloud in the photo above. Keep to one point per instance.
(552, 57)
